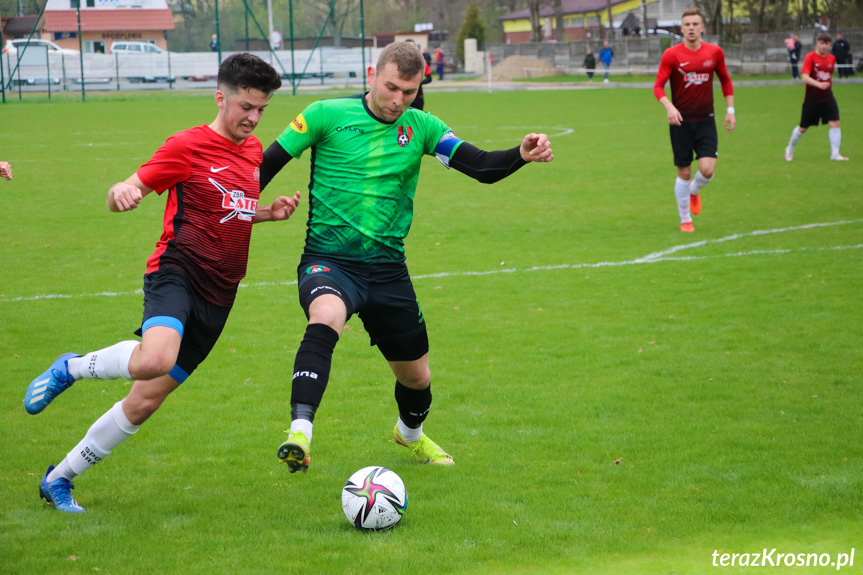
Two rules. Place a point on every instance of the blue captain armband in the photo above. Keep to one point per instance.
(445, 147)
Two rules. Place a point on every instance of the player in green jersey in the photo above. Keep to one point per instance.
(366, 154)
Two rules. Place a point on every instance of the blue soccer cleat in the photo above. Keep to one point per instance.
(49, 385)
(59, 493)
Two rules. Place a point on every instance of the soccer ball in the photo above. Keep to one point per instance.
(374, 498)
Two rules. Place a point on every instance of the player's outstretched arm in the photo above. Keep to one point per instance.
(490, 167)
(126, 196)
(6, 170)
(536, 148)
(281, 209)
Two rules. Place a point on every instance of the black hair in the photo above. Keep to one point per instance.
(245, 71)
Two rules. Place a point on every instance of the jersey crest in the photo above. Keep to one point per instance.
(405, 135)
(241, 207)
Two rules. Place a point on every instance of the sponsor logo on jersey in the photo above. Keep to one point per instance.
(350, 129)
(241, 207)
(317, 268)
(821, 75)
(694, 78)
(257, 174)
(299, 125)
(405, 135)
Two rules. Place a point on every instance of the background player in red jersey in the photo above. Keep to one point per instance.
(690, 67)
(819, 104)
(212, 175)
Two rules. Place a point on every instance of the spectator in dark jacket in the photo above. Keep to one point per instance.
(590, 64)
(842, 52)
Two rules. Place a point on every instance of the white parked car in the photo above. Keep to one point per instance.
(153, 68)
(135, 47)
(13, 46)
(665, 34)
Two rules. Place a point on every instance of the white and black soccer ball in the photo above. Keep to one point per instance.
(374, 498)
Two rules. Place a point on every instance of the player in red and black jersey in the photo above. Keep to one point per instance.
(420, 101)
(211, 174)
(690, 67)
(819, 104)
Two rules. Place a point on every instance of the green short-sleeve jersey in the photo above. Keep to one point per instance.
(364, 176)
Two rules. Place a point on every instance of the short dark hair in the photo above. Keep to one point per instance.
(409, 61)
(245, 71)
(825, 37)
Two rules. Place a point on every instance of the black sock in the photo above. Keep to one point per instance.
(414, 404)
(312, 370)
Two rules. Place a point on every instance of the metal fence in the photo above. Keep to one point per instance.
(754, 54)
(36, 71)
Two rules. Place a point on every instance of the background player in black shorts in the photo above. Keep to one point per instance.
(211, 174)
(819, 104)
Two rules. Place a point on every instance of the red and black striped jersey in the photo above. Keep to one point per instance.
(819, 68)
(213, 194)
(691, 75)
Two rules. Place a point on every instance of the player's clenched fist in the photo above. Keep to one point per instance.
(536, 148)
(123, 197)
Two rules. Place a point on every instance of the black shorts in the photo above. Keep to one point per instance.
(813, 112)
(171, 301)
(381, 294)
(693, 137)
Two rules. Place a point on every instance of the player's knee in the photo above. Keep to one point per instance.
(329, 310)
(707, 173)
(415, 375)
(151, 365)
(421, 379)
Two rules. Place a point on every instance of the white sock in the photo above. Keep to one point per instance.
(109, 363)
(109, 431)
(410, 435)
(698, 182)
(303, 425)
(681, 191)
(796, 134)
(835, 135)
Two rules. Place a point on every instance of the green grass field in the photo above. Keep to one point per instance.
(619, 397)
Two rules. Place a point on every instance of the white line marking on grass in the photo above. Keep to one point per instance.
(675, 249)
(655, 257)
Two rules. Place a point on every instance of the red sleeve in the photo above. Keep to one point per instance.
(169, 165)
(722, 73)
(428, 69)
(662, 76)
(807, 64)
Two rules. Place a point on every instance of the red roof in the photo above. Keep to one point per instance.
(113, 20)
(567, 7)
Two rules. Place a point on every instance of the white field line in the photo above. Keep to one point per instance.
(655, 257)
